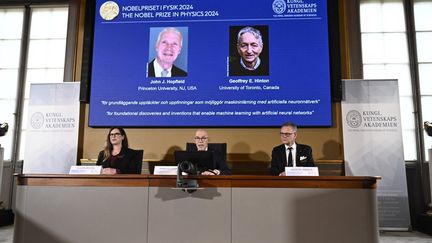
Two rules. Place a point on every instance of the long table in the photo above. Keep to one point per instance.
(232, 209)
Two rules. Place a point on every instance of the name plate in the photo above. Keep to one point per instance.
(85, 170)
(301, 171)
(165, 170)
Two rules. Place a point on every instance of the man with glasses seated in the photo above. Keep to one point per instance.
(290, 153)
(202, 144)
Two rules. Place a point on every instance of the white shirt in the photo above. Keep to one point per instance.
(293, 152)
(158, 69)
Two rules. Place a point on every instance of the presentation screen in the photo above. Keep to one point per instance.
(243, 63)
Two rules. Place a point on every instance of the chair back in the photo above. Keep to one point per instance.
(139, 154)
(220, 147)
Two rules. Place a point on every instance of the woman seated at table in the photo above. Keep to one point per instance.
(117, 157)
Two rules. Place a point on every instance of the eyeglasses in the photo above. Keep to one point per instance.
(286, 134)
(115, 134)
(201, 138)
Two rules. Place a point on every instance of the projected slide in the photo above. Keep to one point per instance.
(243, 63)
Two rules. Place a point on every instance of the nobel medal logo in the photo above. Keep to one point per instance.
(109, 10)
(279, 6)
(37, 120)
(354, 119)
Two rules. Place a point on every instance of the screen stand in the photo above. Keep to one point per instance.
(188, 185)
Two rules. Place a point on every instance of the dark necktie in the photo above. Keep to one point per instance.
(290, 158)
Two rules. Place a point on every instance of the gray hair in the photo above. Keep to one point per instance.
(290, 124)
(170, 29)
(253, 31)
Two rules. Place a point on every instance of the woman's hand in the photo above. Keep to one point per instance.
(109, 171)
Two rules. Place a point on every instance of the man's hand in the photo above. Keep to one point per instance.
(211, 172)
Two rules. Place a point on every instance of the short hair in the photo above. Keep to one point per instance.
(290, 124)
(202, 130)
(253, 31)
(170, 29)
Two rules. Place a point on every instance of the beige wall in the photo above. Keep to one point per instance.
(253, 144)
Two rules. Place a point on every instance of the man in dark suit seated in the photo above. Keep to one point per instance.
(168, 47)
(290, 153)
(202, 144)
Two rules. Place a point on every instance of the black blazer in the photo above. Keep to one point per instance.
(128, 161)
(175, 71)
(279, 158)
(219, 153)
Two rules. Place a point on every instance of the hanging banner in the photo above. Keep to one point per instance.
(52, 129)
(372, 137)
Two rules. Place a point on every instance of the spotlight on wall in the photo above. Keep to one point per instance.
(428, 127)
(3, 129)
